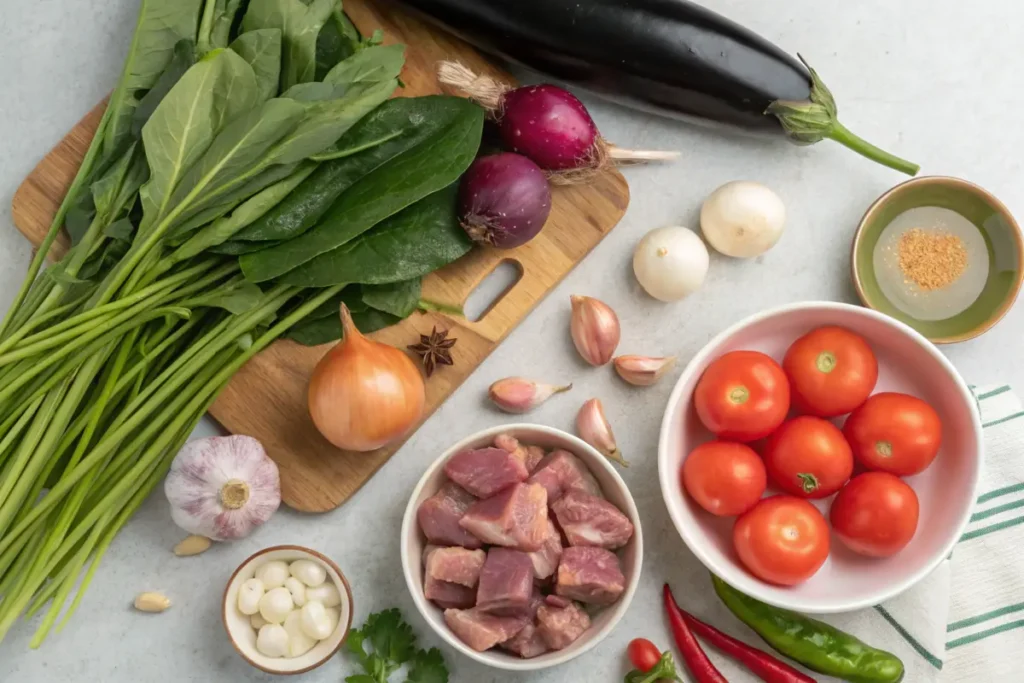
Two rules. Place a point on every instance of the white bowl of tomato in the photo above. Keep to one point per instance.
(820, 457)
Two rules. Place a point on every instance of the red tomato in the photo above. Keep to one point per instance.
(742, 396)
(644, 654)
(782, 540)
(724, 478)
(831, 371)
(875, 514)
(895, 433)
(808, 457)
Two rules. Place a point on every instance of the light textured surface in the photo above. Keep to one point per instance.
(933, 80)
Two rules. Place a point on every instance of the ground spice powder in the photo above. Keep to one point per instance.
(931, 260)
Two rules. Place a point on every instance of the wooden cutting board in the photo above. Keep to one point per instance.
(267, 398)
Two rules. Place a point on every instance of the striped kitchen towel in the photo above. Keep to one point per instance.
(965, 622)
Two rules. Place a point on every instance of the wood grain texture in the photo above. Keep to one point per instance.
(267, 398)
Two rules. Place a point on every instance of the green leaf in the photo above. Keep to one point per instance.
(120, 230)
(182, 59)
(262, 49)
(215, 27)
(314, 332)
(237, 298)
(119, 184)
(412, 243)
(216, 90)
(428, 667)
(369, 65)
(160, 26)
(338, 40)
(397, 298)
(300, 24)
(239, 247)
(417, 173)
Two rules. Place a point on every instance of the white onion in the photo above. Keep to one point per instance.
(742, 219)
(670, 263)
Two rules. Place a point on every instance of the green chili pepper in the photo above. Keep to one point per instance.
(813, 643)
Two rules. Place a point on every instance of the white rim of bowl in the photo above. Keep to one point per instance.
(409, 526)
(670, 480)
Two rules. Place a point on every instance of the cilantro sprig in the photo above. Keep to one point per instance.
(393, 645)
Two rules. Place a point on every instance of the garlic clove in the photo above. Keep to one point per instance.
(297, 589)
(643, 371)
(593, 427)
(193, 545)
(299, 642)
(276, 604)
(520, 395)
(272, 641)
(272, 574)
(315, 622)
(595, 329)
(308, 572)
(249, 595)
(334, 614)
(152, 602)
(258, 621)
(326, 594)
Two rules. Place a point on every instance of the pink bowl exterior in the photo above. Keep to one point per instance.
(947, 490)
(615, 491)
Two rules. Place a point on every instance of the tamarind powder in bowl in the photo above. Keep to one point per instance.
(940, 254)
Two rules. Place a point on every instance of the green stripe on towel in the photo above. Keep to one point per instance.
(918, 647)
(964, 623)
(984, 531)
(985, 514)
(1001, 420)
(985, 497)
(995, 392)
(967, 640)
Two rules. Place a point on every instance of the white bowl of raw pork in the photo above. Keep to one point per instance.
(516, 608)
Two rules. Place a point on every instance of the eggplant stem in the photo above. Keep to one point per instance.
(640, 155)
(843, 136)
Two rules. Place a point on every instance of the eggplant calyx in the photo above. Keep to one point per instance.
(816, 118)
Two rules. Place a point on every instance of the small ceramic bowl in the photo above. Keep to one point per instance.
(996, 232)
(615, 491)
(243, 636)
(946, 490)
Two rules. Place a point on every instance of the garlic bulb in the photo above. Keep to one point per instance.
(222, 487)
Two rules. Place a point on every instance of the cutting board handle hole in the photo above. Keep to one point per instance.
(492, 289)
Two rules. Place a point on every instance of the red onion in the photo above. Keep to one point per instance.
(546, 123)
(504, 200)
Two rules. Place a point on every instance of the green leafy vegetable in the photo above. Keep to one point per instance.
(262, 49)
(369, 65)
(215, 27)
(393, 645)
(417, 173)
(397, 298)
(300, 24)
(182, 59)
(428, 667)
(338, 40)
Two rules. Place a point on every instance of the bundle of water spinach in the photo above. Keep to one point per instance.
(249, 172)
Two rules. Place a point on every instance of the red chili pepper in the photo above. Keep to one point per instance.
(696, 660)
(762, 664)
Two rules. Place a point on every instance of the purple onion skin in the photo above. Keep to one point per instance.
(549, 125)
(504, 200)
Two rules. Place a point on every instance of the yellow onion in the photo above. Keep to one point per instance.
(364, 394)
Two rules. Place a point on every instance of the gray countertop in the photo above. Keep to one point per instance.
(936, 81)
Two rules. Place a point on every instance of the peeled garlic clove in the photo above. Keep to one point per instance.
(326, 594)
(258, 621)
(152, 602)
(272, 641)
(520, 395)
(272, 574)
(276, 604)
(299, 643)
(643, 371)
(595, 329)
(334, 614)
(308, 572)
(193, 545)
(249, 595)
(297, 589)
(593, 427)
(315, 622)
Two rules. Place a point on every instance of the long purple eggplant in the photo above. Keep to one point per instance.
(669, 56)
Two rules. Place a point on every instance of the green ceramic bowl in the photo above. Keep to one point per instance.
(998, 229)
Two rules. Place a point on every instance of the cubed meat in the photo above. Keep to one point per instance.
(447, 595)
(530, 456)
(590, 575)
(528, 643)
(534, 456)
(506, 583)
(427, 549)
(560, 627)
(439, 517)
(515, 518)
(456, 565)
(485, 471)
(561, 471)
(589, 520)
(545, 560)
(482, 631)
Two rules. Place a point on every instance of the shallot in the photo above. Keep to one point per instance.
(222, 487)
(670, 263)
(364, 394)
(504, 200)
(546, 123)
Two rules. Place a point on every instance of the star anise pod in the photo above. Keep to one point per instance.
(434, 349)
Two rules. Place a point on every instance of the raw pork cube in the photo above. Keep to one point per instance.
(530, 456)
(515, 518)
(480, 630)
(545, 560)
(561, 626)
(447, 595)
(456, 565)
(427, 549)
(506, 583)
(589, 520)
(534, 456)
(527, 643)
(485, 471)
(590, 575)
(439, 517)
(561, 471)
